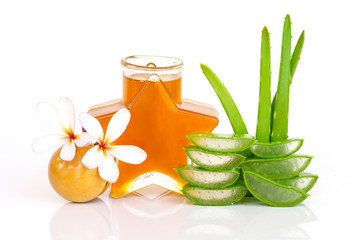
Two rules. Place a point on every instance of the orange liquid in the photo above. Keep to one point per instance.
(158, 125)
(132, 86)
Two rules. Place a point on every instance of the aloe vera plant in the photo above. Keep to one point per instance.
(272, 174)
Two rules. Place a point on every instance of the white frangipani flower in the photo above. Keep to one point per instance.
(62, 119)
(102, 154)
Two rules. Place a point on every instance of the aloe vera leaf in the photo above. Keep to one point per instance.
(199, 177)
(221, 142)
(295, 58)
(280, 116)
(276, 149)
(278, 168)
(215, 197)
(272, 192)
(228, 104)
(296, 55)
(263, 131)
(214, 160)
(304, 181)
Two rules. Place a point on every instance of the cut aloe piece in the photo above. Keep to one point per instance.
(208, 179)
(214, 160)
(215, 197)
(276, 149)
(221, 142)
(304, 181)
(278, 168)
(272, 192)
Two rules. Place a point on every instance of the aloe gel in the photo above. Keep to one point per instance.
(199, 177)
(214, 160)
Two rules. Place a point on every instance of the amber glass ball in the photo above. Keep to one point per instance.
(72, 180)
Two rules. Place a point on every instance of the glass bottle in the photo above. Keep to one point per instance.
(160, 121)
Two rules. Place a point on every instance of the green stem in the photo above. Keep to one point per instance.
(280, 117)
(264, 105)
(227, 102)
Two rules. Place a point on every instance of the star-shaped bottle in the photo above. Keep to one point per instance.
(160, 121)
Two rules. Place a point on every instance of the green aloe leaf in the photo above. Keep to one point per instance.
(272, 192)
(199, 177)
(280, 116)
(214, 160)
(295, 58)
(263, 131)
(304, 181)
(215, 197)
(228, 104)
(276, 149)
(221, 142)
(296, 55)
(278, 168)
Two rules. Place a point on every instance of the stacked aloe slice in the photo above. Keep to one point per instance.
(271, 171)
(215, 179)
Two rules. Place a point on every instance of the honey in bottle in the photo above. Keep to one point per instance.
(160, 121)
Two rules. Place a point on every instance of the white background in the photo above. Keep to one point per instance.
(50, 49)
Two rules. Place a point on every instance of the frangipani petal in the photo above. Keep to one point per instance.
(49, 114)
(93, 157)
(117, 125)
(48, 142)
(67, 115)
(108, 169)
(82, 139)
(92, 126)
(67, 152)
(128, 154)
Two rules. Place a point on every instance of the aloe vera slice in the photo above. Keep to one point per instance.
(278, 168)
(221, 142)
(272, 192)
(276, 149)
(280, 115)
(208, 179)
(215, 197)
(304, 181)
(235, 118)
(214, 160)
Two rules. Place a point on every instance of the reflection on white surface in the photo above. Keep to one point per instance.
(81, 221)
(146, 215)
(246, 220)
(155, 213)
